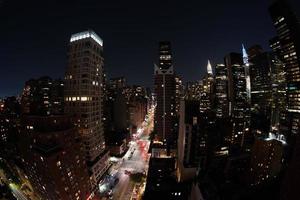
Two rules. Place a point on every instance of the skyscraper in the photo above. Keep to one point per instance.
(288, 31)
(230, 60)
(83, 98)
(206, 90)
(261, 92)
(261, 81)
(247, 73)
(279, 117)
(241, 107)
(221, 89)
(164, 88)
(239, 102)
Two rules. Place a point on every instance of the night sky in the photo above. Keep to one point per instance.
(34, 35)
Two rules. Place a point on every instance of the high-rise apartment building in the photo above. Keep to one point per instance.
(53, 158)
(84, 96)
(164, 88)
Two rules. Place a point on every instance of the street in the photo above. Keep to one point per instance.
(138, 162)
(16, 192)
(134, 161)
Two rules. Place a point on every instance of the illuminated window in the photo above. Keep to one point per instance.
(84, 98)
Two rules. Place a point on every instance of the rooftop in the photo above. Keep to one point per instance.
(87, 34)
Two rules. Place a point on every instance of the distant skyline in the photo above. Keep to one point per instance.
(35, 35)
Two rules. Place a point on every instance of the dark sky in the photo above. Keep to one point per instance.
(34, 35)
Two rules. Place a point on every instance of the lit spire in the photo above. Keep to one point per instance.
(245, 56)
(209, 69)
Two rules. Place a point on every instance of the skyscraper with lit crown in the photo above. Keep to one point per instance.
(164, 88)
(206, 91)
(84, 96)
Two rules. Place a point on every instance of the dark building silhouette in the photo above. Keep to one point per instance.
(254, 51)
(43, 96)
(192, 141)
(161, 181)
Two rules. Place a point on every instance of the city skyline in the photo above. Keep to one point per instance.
(129, 43)
(123, 108)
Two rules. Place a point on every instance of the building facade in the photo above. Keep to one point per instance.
(53, 158)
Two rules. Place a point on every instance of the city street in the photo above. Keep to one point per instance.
(16, 192)
(135, 160)
(138, 162)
